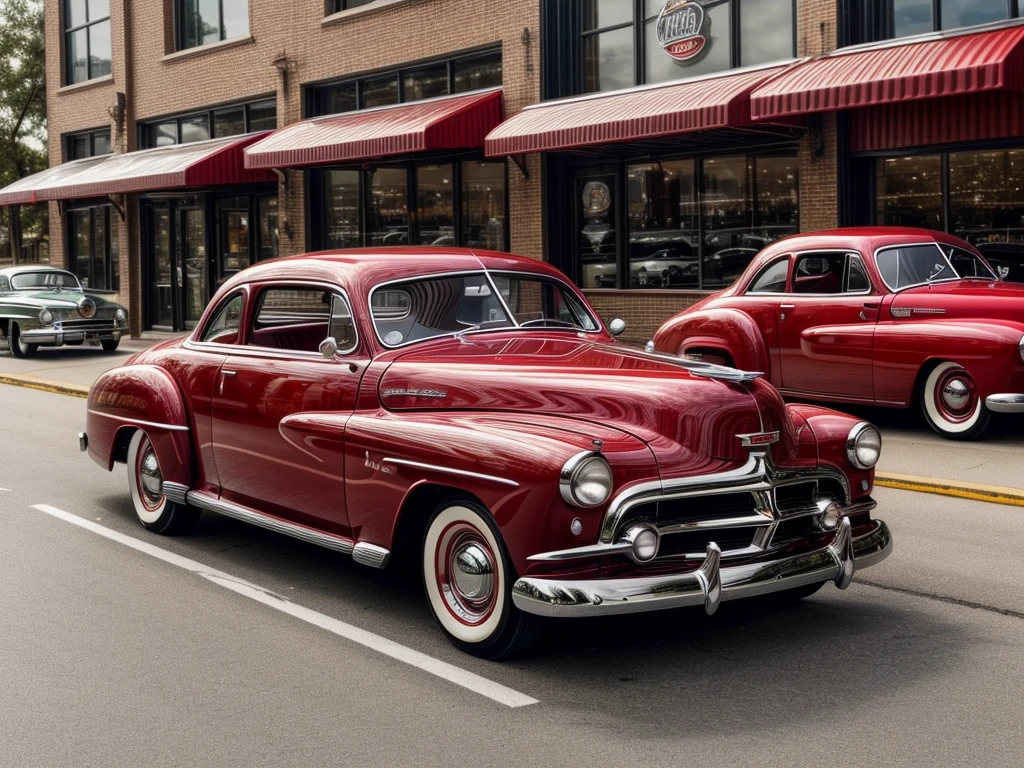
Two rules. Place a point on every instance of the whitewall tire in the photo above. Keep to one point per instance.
(952, 404)
(153, 509)
(468, 581)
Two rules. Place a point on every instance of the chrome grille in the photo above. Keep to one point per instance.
(93, 324)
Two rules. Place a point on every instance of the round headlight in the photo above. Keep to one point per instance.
(586, 480)
(45, 317)
(864, 445)
(120, 315)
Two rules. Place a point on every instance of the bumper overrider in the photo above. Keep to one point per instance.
(710, 584)
(1005, 403)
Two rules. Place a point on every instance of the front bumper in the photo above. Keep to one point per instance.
(1005, 403)
(710, 583)
(57, 337)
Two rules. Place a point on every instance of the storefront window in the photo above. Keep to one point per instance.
(234, 235)
(94, 254)
(211, 124)
(909, 191)
(689, 39)
(269, 242)
(986, 201)
(229, 122)
(435, 205)
(597, 241)
(901, 18)
(483, 205)
(457, 75)
(388, 222)
(343, 217)
(663, 227)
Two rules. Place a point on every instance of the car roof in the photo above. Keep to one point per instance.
(21, 268)
(864, 239)
(363, 268)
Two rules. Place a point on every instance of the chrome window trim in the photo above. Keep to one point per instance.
(936, 245)
(486, 273)
(846, 252)
(243, 291)
(750, 292)
(130, 420)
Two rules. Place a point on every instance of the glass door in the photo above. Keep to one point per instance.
(192, 268)
(161, 256)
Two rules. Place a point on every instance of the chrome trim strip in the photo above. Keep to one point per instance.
(728, 522)
(370, 554)
(130, 420)
(706, 370)
(592, 550)
(1005, 403)
(206, 501)
(595, 597)
(450, 471)
(175, 492)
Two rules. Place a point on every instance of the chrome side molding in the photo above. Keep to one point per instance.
(370, 554)
(175, 492)
(209, 502)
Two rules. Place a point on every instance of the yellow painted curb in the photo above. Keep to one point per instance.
(46, 386)
(994, 494)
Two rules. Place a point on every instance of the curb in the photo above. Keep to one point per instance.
(994, 494)
(31, 382)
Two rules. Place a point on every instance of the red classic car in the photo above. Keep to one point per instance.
(470, 411)
(884, 315)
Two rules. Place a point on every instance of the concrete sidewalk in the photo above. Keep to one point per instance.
(913, 457)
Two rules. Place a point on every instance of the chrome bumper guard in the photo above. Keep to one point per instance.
(710, 584)
(1005, 403)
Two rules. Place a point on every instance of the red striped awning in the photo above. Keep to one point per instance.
(721, 101)
(200, 164)
(452, 122)
(942, 65)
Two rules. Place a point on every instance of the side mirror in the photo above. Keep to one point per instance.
(616, 326)
(329, 347)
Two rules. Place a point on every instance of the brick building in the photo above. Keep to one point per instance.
(647, 147)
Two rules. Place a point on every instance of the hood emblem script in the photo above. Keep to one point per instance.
(436, 393)
(757, 439)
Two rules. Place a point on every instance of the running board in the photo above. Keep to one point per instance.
(341, 544)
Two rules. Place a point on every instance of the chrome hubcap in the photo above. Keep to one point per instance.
(466, 573)
(956, 394)
(150, 477)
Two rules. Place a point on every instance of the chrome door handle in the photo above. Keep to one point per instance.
(862, 315)
(782, 313)
(223, 377)
(787, 306)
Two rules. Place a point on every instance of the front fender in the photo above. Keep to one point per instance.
(510, 462)
(140, 397)
(988, 349)
(830, 430)
(727, 330)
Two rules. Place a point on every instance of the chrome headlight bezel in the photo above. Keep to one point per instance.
(120, 316)
(574, 469)
(1020, 348)
(45, 316)
(861, 432)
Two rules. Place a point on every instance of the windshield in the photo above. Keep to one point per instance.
(911, 265)
(52, 280)
(424, 309)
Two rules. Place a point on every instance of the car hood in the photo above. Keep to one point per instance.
(55, 299)
(963, 299)
(685, 418)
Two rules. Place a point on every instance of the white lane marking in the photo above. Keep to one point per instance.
(5, 490)
(451, 673)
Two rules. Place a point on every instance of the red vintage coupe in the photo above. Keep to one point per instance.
(470, 411)
(884, 315)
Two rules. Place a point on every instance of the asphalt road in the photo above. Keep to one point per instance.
(112, 656)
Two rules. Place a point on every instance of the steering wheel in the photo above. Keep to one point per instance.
(547, 321)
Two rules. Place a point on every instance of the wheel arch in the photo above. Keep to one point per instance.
(419, 503)
(724, 329)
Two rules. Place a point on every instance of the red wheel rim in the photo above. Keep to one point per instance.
(955, 395)
(467, 577)
(148, 477)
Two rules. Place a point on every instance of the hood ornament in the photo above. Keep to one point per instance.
(758, 439)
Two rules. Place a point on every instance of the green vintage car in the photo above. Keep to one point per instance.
(47, 307)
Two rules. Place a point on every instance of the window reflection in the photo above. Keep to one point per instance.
(341, 209)
(608, 60)
(663, 227)
(388, 222)
(766, 31)
(912, 17)
(435, 201)
(967, 13)
(986, 200)
(595, 201)
(909, 191)
(483, 205)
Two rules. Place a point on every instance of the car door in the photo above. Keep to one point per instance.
(761, 301)
(280, 405)
(826, 326)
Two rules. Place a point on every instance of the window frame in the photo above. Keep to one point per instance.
(877, 20)
(221, 306)
(256, 290)
(92, 208)
(69, 139)
(179, 26)
(639, 24)
(209, 113)
(332, 7)
(67, 31)
(788, 259)
(849, 254)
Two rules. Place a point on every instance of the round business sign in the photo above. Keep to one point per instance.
(597, 198)
(682, 29)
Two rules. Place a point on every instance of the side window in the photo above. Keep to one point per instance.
(226, 322)
(343, 325)
(772, 278)
(5, 284)
(819, 273)
(291, 317)
(856, 276)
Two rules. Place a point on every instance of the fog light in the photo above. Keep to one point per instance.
(829, 515)
(645, 541)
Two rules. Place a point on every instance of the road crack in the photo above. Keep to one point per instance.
(945, 599)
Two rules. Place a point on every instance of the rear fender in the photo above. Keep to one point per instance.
(988, 350)
(510, 463)
(140, 397)
(727, 330)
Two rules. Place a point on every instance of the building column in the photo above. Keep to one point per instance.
(819, 175)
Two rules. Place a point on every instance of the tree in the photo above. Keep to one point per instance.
(22, 101)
